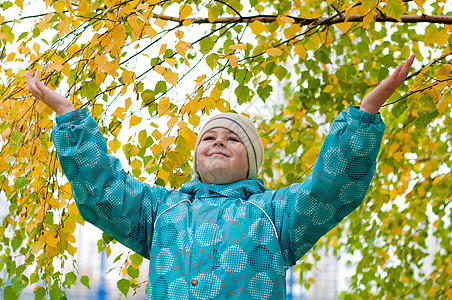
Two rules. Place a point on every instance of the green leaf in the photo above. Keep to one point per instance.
(212, 60)
(19, 282)
(394, 8)
(69, 279)
(9, 293)
(123, 286)
(136, 259)
(213, 13)
(85, 281)
(243, 93)
(369, 4)
(426, 103)
(160, 87)
(265, 92)
(16, 241)
(382, 74)
(40, 293)
(133, 271)
(207, 44)
(280, 72)
(117, 258)
(16, 137)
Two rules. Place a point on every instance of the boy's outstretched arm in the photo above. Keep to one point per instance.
(377, 97)
(52, 99)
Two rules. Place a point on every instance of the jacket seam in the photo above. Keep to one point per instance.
(174, 205)
(271, 222)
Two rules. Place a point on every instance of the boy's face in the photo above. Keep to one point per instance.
(221, 157)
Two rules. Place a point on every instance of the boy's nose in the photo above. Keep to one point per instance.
(218, 142)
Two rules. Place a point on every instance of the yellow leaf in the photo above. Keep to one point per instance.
(168, 141)
(344, 27)
(10, 56)
(72, 209)
(310, 156)
(257, 27)
(142, 138)
(184, 11)
(300, 51)
(160, 23)
(156, 149)
(114, 145)
(83, 7)
(187, 22)
(327, 38)
(398, 156)
(128, 77)
(172, 122)
(134, 150)
(386, 169)
(237, 46)
(162, 49)
(163, 106)
(444, 72)
(328, 88)
(293, 30)
(171, 61)
(71, 250)
(194, 120)
(182, 47)
(160, 69)
(37, 246)
(216, 93)
(36, 48)
(157, 134)
(233, 60)
(51, 240)
(59, 6)
(120, 113)
(55, 66)
(150, 31)
(162, 174)
(282, 20)
(274, 52)
(136, 164)
(182, 124)
(189, 137)
(134, 120)
(171, 77)
(368, 19)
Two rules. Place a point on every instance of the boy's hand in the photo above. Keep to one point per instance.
(376, 98)
(52, 99)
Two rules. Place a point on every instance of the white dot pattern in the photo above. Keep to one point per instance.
(219, 241)
(233, 259)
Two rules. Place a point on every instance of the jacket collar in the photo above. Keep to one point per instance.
(240, 189)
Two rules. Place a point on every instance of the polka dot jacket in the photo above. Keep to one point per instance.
(230, 241)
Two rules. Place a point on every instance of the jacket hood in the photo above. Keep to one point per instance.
(240, 189)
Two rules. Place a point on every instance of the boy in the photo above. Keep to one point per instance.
(224, 234)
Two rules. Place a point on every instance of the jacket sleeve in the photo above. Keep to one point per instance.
(120, 205)
(342, 173)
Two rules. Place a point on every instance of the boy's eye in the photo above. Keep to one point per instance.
(207, 138)
(234, 139)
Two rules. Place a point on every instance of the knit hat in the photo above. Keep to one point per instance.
(245, 130)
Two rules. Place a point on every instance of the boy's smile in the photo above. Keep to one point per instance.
(221, 157)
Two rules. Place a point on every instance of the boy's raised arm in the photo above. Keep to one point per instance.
(52, 99)
(377, 97)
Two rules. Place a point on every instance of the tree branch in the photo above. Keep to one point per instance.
(317, 21)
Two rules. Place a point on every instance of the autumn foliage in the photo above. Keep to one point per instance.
(148, 71)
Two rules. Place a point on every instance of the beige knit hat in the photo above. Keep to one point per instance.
(245, 130)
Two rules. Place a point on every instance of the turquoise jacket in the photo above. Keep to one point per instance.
(219, 241)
